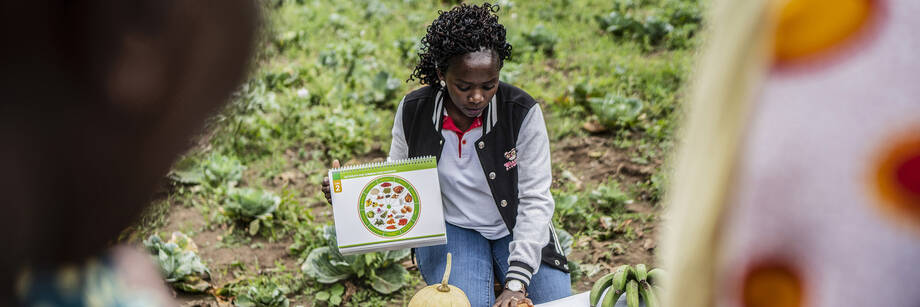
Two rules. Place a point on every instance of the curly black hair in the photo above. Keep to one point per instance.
(463, 29)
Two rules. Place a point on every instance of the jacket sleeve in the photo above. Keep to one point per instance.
(535, 209)
(399, 149)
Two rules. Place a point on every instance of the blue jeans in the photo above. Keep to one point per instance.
(477, 262)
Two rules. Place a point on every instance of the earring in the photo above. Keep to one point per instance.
(443, 84)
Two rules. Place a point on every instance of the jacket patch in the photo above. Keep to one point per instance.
(511, 155)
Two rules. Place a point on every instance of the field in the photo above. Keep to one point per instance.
(609, 76)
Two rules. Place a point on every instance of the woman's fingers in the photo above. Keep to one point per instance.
(325, 188)
(526, 302)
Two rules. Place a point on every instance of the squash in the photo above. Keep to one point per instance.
(441, 294)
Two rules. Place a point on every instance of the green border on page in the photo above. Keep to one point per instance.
(427, 163)
(395, 240)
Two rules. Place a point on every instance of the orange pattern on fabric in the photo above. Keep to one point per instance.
(772, 285)
(809, 27)
(897, 179)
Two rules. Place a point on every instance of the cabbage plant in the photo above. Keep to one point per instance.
(615, 110)
(381, 271)
(179, 262)
(262, 294)
(217, 172)
(251, 206)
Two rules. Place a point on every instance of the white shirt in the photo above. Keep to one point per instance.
(468, 202)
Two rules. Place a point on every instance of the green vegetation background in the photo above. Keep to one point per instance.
(325, 85)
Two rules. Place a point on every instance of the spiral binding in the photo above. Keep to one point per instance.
(371, 166)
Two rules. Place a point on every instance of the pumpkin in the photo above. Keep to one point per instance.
(441, 294)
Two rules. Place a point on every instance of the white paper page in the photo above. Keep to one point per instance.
(356, 229)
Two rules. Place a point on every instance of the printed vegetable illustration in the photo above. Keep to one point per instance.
(441, 294)
(396, 211)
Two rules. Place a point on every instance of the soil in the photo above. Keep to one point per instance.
(225, 260)
(591, 160)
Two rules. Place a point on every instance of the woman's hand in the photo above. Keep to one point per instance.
(335, 164)
(510, 298)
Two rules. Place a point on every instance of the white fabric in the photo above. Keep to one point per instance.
(535, 210)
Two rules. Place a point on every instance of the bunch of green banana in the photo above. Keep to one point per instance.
(630, 280)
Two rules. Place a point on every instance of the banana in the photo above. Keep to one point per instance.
(610, 300)
(651, 299)
(656, 277)
(632, 293)
(619, 279)
(641, 272)
(599, 287)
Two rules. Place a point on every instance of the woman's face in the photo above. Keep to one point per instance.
(472, 80)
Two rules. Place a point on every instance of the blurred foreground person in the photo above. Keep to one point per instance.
(99, 97)
(799, 180)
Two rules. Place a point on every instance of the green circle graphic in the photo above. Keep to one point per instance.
(376, 209)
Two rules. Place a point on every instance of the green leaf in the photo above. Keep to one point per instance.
(396, 255)
(614, 110)
(337, 290)
(249, 204)
(180, 266)
(566, 201)
(195, 285)
(190, 176)
(335, 300)
(389, 279)
(326, 266)
(244, 301)
(254, 227)
(263, 293)
(322, 296)
(219, 170)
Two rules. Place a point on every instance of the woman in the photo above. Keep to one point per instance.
(493, 164)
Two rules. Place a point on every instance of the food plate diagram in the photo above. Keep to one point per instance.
(389, 206)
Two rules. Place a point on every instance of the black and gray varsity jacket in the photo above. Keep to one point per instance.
(525, 205)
